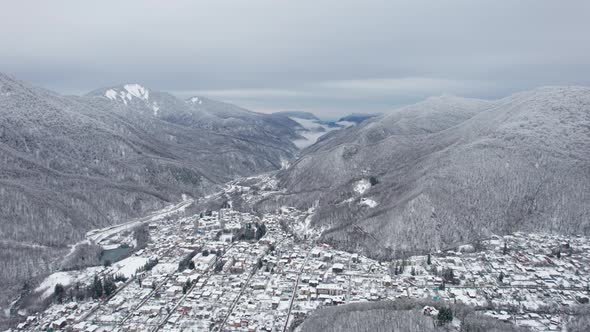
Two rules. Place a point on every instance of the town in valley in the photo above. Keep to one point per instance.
(227, 270)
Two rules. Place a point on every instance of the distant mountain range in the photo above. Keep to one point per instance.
(73, 163)
(428, 176)
(447, 171)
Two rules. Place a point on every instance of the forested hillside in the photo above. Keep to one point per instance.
(70, 164)
(447, 171)
(403, 315)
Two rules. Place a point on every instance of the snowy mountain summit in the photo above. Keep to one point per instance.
(128, 92)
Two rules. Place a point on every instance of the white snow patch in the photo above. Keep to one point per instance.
(304, 227)
(164, 268)
(349, 200)
(156, 108)
(48, 285)
(138, 91)
(110, 246)
(111, 94)
(368, 202)
(196, 100)
(129, 266)
(285, 163)
(65, 279)
(362, 186)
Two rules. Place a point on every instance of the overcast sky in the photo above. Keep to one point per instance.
(331, 57)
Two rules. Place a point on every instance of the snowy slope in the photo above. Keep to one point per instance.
(451, 169)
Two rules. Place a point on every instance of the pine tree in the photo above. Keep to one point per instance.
(444, 316)
(428, 260)
(373, 180)
(505, 250)
(97, 289)
(186, 286)
(80, 295)
(59, 292)
(109, 286)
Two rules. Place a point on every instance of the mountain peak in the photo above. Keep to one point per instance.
(195, 100)
(127, 92)
(130, 94)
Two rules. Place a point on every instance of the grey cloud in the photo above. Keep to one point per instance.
(324, 55)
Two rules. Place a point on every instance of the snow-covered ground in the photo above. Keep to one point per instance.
(369, 202)
(129, 266)
(67, 278)
(164, 268)
(362, 186)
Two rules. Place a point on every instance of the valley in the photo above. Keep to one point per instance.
(168, 214)
(272, 280)
(294, 166)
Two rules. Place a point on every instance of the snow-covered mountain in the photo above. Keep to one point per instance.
(71, 163)
(203, 113)
(449, 170)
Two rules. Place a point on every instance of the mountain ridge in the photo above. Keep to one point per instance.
(489, 167)
(74, 163)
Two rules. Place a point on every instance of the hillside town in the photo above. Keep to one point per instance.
(232, 271)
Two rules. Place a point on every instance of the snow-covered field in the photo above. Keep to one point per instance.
(129, 266)
(47, 287)
(126, 267)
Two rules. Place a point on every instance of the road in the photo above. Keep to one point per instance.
(98, 235)
(207, 274)
(295, 291)
(231, 308)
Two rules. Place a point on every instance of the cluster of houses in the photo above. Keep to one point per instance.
(206, 280)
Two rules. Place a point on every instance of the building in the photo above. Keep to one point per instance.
(338, 268)
(330, 289)
(203, 263)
